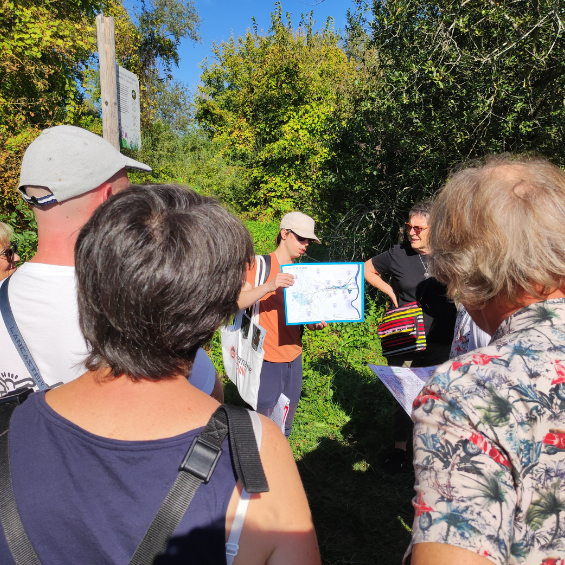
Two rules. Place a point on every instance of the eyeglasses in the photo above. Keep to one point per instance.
(9, 252)
(417, 229)
(301, 240)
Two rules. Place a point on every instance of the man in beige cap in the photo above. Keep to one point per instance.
(282, 365)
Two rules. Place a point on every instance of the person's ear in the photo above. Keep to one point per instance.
(284, 234)
(106, 191)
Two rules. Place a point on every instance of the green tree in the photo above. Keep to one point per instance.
(147, 45)
(270, 100)
(443, 82)
(44, 49)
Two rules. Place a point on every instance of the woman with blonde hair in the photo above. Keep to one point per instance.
(489, 436)
(8, 251)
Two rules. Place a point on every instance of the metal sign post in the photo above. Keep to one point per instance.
(108, 82)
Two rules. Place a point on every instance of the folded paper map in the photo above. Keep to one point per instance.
(405, 384)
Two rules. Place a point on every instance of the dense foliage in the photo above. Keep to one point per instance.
(439, 83)
(270, 100)
(188, 157)
(44, 47)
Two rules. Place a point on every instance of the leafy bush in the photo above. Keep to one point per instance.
(270, 100)
(264, 235)
(189, 158)
(22, 220)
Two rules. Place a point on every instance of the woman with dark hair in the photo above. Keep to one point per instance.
(159, 269)
(407, 266)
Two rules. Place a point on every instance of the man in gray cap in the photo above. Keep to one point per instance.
(67, 172)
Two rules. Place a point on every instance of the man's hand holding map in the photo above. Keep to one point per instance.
(332, 292)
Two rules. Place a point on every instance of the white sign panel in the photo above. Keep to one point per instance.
(128, 109)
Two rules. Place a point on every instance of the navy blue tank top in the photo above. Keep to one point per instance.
(88, 500)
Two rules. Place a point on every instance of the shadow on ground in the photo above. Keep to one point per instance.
(358, 509)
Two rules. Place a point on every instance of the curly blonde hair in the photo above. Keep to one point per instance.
(498, 229)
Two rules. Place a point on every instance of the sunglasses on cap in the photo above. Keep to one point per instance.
(417, 229)
(300, 239)
(9, 252)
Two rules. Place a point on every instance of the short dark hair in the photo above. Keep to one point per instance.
(159, 268)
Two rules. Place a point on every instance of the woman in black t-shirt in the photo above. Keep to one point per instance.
(407, 267)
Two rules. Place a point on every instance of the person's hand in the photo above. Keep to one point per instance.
(394, 301)
(319, 326)
(283, 280)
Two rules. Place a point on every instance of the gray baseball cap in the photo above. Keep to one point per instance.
(70, 161)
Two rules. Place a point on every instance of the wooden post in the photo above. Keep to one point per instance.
(108, 82)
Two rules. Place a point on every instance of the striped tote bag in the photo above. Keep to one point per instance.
(402, 330)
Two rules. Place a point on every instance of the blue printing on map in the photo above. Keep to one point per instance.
(360, 270)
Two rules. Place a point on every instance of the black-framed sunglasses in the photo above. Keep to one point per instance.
(9, 252)
(301, 240)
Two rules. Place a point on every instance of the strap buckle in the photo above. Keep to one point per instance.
(232, 549)
(201, 459)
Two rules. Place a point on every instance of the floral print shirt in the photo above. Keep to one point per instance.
(489, 444)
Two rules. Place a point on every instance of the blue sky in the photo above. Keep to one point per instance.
(224, 17)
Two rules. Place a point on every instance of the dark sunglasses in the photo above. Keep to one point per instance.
(9, 252)
(301, 240)
(417, 229)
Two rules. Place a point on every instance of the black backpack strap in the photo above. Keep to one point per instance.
(16, 537)
(17, 337)
(267, 267)
(197, 468)
(244, 447)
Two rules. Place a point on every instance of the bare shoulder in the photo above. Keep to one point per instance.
(278, 527)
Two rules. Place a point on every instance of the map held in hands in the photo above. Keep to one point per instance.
(332, 292)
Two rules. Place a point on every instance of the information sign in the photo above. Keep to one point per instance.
(128, 109)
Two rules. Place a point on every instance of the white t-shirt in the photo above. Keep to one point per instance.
(44, 305)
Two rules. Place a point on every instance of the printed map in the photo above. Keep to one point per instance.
(324, 291)
(405, 384)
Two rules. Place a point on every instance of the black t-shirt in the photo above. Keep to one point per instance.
(407, 269)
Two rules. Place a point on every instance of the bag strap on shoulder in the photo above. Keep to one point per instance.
(16, 537)
(232, 545)
(267, 259)
(17, 338)
(197, 468)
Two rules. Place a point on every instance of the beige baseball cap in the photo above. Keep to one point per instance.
(300, 224)
(70, 161)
